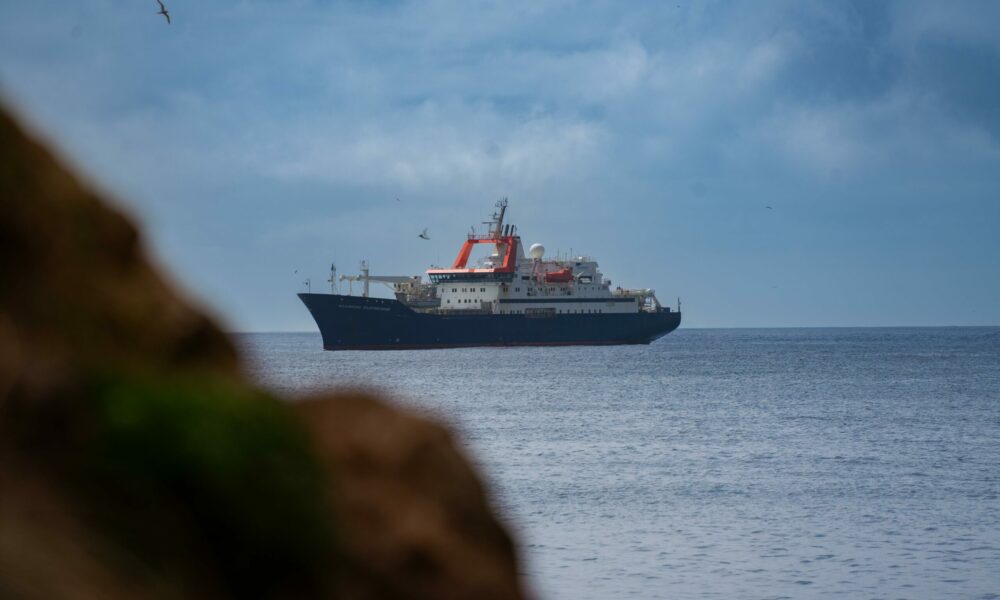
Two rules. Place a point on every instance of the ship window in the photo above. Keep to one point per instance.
(449, 301)
(517, 289)
(482, 289)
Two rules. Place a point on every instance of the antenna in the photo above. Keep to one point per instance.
(333, 278)
(496, 223)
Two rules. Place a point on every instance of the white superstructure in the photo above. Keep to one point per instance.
(507, 281)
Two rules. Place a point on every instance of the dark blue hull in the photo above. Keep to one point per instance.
(356, 323)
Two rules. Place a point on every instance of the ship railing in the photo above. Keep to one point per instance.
(457, 311)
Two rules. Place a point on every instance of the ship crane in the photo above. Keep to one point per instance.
(365, 278)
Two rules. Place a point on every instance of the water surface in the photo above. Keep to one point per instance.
(783, 463)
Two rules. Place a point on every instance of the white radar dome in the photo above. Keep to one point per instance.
(537, 251)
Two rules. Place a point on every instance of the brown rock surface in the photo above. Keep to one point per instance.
(136, 461)
(419, 520)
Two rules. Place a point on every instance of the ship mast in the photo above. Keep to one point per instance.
(496, 223)
(503, 237)
(498, 217)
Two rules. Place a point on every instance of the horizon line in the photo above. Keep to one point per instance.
(750, 327)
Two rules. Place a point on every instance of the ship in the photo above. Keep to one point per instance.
(506, 298)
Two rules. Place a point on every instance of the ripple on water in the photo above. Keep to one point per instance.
(719, 463)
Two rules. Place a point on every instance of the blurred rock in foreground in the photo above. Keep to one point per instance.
(136, 461)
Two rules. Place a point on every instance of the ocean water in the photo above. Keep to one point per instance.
(782, 463)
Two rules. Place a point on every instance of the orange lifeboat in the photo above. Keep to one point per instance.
(561, 276)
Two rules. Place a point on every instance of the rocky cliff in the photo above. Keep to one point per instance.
(137, 460)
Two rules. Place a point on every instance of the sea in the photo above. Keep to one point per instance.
(716, 463)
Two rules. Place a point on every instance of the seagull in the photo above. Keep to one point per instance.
(768, 208)
(424, 235)
(163, 11)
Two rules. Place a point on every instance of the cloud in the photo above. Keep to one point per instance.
(435, 147)
(271, 121)
(438, 94)
(971, 22)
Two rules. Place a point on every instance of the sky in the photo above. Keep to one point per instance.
(257, 141)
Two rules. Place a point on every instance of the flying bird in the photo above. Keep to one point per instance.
(424, 235)
(768, 208)
(163, 11)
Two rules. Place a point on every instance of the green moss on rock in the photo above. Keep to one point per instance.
(188, 459)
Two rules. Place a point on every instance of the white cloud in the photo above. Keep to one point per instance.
(822, 140)
(917, 21)
(761, 63)
(244, 107)
(463, 147)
